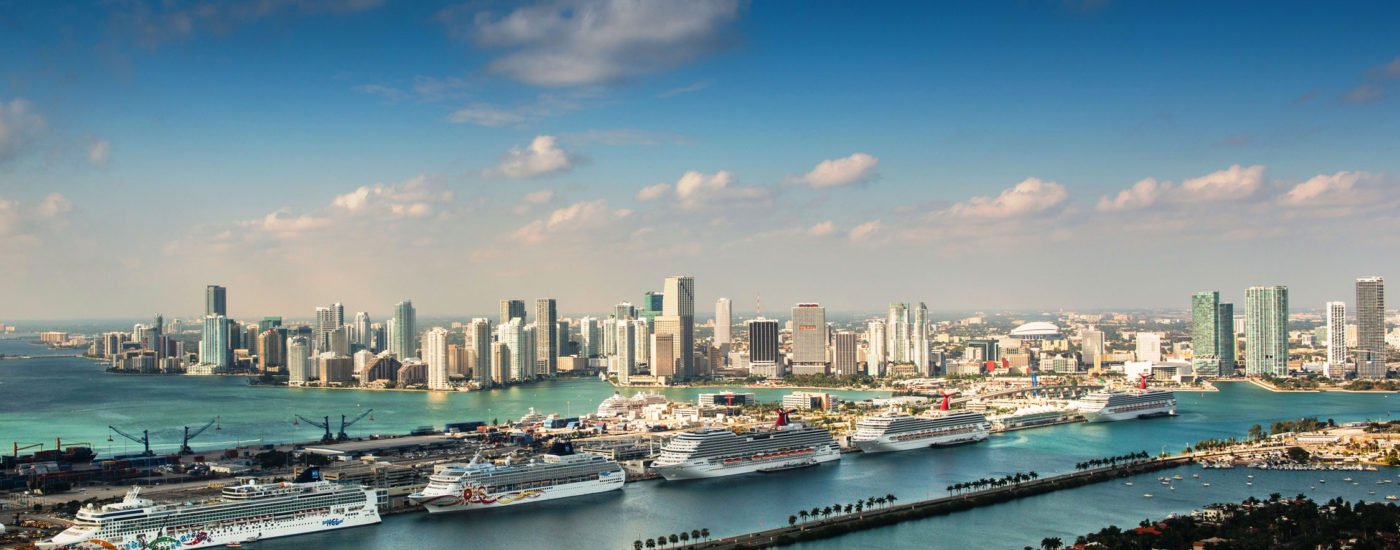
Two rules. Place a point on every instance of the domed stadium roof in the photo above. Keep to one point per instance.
(1037, 330)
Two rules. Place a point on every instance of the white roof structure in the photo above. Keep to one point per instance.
(1037, 330)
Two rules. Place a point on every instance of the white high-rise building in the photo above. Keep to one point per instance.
(435, 354)
(214, 348)
(641, 351)
(1336, 339)
(1149, 346)
(478, 343)
(519, 340)
(590, 338)
(918, 338)
(609, 337)
(875, 353)
(362, 329)
(809, 339)
(298, 361)
(897, 334)
(724, 321)
(624, 362)
(1266, 331)
(403, 332)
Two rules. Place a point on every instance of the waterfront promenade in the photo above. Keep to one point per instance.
(870, 519)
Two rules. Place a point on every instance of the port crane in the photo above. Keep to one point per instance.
(144, 440)
(325, 424)
(185, 445)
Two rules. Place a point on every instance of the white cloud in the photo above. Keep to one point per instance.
(486, 115)
(1323, 188)
(99, 152)
(653, 192)
(569, 221)
(1232, 183)
(857, 168)
(1142, 194)
(1031, 196)
(152, 23)
(54, 206)
(415, 197)
(697, 189)
(689, 88)
(283, 225)
(822, 229)
(20, 125)
(542, 157)
(546, 105)
(579, 42)
(865, 231)
(9, 217)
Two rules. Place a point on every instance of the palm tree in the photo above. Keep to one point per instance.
(792, 520)
(826, 512)
(685, 537)
(860, 506)
(870, 502)
(674, 538)
(661, 541)
(849, 508)
(816, 511)
(1034, 475)
(695, 534)
(637, 544)
(1051, 543)
(651, 543)
(705, 532)
(890, 498)
(804, 515)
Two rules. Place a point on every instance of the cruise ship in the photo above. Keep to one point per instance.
(1030, 417)
(481, 484)
(717, 452)
(1112, 406)
(246, 512)
(900, 432)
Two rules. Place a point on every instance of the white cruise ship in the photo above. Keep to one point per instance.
(244, 513)
(480, 484)
(716, 452)
(1112, 406)
(900, 432)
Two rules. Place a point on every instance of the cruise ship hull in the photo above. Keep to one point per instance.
(471, 500)
(700, 469)
(219, 536)
(888, 444)
(1108, 415)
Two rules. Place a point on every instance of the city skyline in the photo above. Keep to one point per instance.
(268, 149)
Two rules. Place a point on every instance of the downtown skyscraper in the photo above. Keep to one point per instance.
(511, 309)
(435, 354)
(897, 334)
(765, 356)
(1266, 330)
(724, 321)
(403, 331)
(918, 338)
(1212, 335)
(677, 319)
(1336, 339)
(478, 344)
(546, 337)
(1370, 328)
(809, 339)
(215, 300)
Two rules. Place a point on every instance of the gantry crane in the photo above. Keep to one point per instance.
(144, 440)
(185, 445)
(325, 425)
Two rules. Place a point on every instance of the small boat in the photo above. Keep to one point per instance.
(1346, 479)
(1322, 481)
(1196, 475)
(1206, 484)
(1391, 497)
(1172, 487)
(1371, 493)
(1249, 483)
(1177, 477)
(1130, 484)
(1147, 495)
(1251, 476)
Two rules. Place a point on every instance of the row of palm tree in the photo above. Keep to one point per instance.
(674, 539)
(1112, 460)
(824, 512)
(988, 483)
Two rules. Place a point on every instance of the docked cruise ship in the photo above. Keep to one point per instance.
(481, 484)
(900, 432)
(244, 513)
(1032, 416)
(716, 452)
(1111, 405)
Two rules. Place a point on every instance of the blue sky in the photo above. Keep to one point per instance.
(966, 155)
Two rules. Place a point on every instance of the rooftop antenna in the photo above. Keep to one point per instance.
(758, 305)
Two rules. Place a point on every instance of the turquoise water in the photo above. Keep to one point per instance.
(72, 398)
(68, 395)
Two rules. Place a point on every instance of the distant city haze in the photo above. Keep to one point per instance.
(982, 156)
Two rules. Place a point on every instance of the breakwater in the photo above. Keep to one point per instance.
(879, 517)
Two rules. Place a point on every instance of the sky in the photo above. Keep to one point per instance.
(985, 155)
